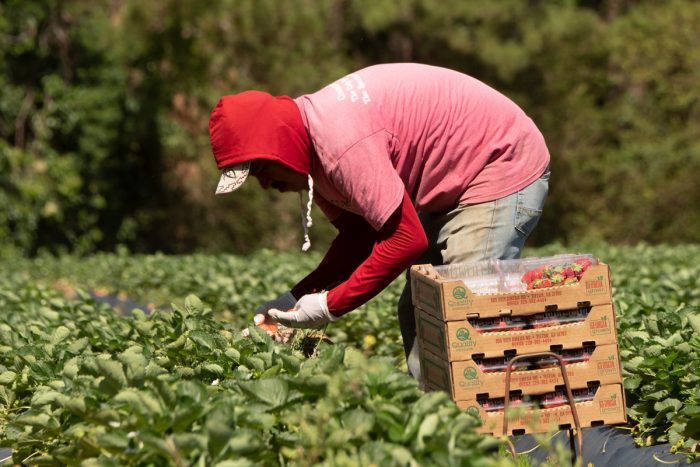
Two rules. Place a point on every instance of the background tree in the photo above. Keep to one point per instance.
(104, 109)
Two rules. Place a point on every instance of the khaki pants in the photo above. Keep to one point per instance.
(491, 230)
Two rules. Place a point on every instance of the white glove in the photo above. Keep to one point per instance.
(311, 311)
(285, 302)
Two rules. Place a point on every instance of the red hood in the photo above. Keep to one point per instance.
(256, 125)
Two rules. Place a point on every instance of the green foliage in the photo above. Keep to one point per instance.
(349, 404)
(81, 383)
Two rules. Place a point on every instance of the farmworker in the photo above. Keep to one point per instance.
(411, 163)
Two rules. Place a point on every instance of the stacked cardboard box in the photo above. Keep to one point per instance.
(466, 340)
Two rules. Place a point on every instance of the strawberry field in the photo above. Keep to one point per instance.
(86, 381)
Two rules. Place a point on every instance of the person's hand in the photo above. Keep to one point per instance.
(284, 302)
(311, 311)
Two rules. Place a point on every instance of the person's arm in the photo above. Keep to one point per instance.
(352, 245)
(397, 245)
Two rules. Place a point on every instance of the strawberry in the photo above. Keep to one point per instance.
(555, 270)
(557, 279)
(584, 263)
(536, 274)
(546, 282)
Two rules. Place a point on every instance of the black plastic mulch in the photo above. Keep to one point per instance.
(606, 446)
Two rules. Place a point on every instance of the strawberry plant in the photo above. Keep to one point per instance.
(81, 383)
(82, 380)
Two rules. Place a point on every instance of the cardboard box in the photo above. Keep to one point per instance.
(459, 340)
(452, 300)
(606, 408)
(465, 380)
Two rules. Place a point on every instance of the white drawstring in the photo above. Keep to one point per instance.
(306, 221)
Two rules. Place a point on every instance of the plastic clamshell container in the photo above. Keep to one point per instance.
(445, 293)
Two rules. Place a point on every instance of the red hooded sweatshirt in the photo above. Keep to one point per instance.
(361, 261)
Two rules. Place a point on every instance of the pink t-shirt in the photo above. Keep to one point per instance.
(445, 137)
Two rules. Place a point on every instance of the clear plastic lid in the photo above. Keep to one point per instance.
(494, 276)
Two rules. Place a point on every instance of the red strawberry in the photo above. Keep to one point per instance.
(536, 273)
(584, 262)
(527, 277)
(547, 282)
(569, 272)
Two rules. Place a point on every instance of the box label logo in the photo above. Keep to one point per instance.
(596, 286)
(609, 405)
(464, 339)
(463, 334)
(600, 326)
(460, 298)
(471, 378)
(608, 367)
(473, 410)
(469, 373)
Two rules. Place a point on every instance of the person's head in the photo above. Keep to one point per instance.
(256, 133)
(262, 135)
(269, 173)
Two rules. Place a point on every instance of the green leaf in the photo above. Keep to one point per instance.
(60, 334)
(47, 397)
(658, 395)
(258, 420)
(358, 422)
(403, 456)
(193, 304)
(135, 364)
(209, 341)
(256, 363)
(219, 427)
(270, 372)
(7, 377)
(75, 404)
(211, 368)
(668, 404)
(78, 345)
(114, 377)
(427, 429)
(35, 418)
(655, 350)
(339, 437)
(188, 442)
(245, 441)
(259, 336)
(272, 391)
(141, 401)
(694, 321)
(113, 441)
(70, 369)
(632, 382)
(233, 354)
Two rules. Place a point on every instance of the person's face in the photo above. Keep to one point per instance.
(272, 174)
